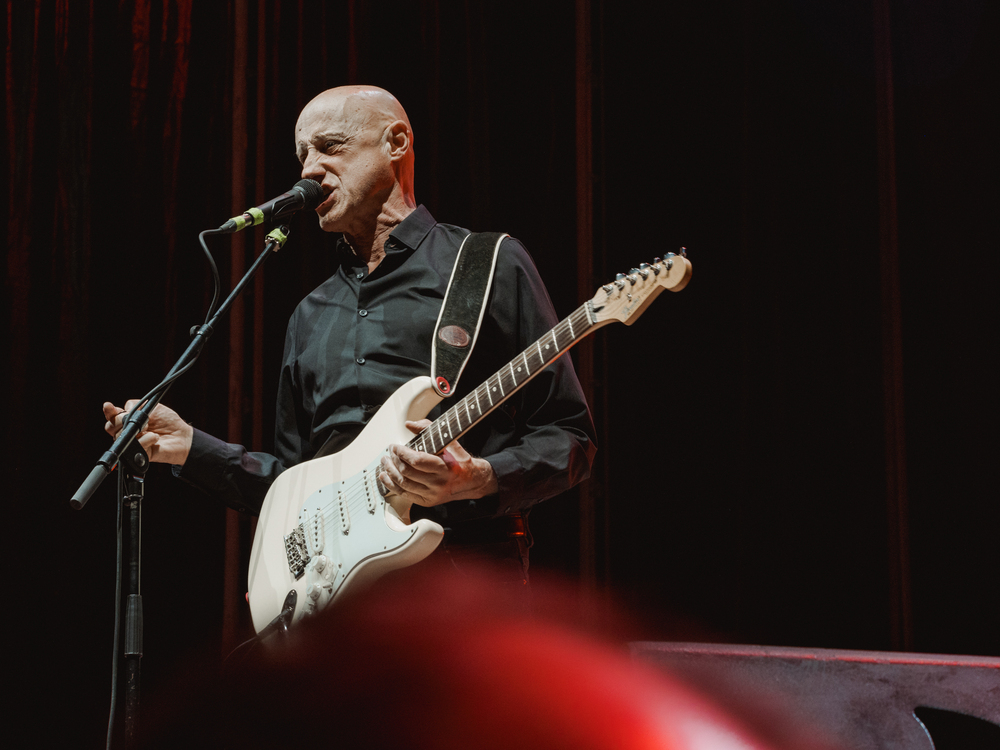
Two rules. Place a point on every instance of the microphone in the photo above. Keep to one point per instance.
(305, 194)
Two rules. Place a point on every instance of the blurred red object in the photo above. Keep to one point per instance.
(433, 658)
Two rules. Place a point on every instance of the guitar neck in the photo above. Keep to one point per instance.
(500, 386)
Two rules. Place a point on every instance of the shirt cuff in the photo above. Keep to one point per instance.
(209, 467)
(510, 483)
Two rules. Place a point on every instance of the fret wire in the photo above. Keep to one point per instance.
(443, 428)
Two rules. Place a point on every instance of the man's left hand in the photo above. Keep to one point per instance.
(429, 480)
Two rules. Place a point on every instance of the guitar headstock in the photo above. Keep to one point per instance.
(628, 296)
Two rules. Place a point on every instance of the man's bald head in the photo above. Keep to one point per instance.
(368, 106)
(357, 142)
(358, 109)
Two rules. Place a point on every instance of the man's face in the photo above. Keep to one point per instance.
(340, 144)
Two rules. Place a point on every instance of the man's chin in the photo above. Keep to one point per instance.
(329, 224)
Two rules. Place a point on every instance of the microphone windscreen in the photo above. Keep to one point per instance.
(312, 193)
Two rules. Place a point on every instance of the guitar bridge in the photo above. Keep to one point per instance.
(296, 552)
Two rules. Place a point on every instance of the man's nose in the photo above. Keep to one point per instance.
(311, 170)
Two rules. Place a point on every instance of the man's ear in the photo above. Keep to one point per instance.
(398, 140)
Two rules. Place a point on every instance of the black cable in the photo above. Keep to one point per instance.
(215, 271)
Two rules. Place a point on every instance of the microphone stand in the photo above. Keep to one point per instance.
(135, 463)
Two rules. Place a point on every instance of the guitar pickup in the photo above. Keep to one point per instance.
(296, 552)
(344, 512)
(372, 488)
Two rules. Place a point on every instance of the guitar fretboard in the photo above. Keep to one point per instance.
(461, 417)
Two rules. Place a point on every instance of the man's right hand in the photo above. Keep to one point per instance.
(167, 437)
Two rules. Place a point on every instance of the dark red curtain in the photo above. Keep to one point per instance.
(796, 450)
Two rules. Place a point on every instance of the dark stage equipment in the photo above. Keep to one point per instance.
(857, 699)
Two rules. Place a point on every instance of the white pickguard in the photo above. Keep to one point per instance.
(360, 535)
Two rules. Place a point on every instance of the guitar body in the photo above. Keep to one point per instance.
(332, 507)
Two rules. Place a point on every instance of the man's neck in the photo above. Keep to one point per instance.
(368, 240)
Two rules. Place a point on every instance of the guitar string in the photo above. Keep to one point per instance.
(354, 497)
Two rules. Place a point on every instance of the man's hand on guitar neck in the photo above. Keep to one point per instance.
(429, 480)
(167, 437)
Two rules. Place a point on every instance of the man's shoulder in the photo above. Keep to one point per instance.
(511, 247)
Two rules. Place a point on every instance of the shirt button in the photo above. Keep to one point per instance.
(363, 313)
(360, 276)
(360, 360)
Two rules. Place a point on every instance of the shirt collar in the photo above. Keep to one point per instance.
(410, 232)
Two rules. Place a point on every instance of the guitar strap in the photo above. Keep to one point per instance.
(463, 308)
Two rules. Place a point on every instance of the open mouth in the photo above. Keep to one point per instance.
(327, 202)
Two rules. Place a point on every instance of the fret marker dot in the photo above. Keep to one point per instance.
(519, 369)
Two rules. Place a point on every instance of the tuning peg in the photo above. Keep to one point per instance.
(644, 270)
(684, 252)
(620, 281)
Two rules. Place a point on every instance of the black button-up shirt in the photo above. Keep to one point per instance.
(358, 337)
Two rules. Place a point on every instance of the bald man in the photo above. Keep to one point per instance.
(368, 329)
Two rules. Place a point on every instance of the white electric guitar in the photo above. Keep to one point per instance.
(325, 526)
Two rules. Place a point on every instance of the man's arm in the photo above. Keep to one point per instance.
(226, 471)
(241, 478)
